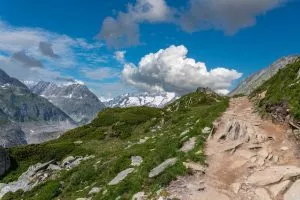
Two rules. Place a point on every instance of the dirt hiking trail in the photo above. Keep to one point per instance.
(247, 157)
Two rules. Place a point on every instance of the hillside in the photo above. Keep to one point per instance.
(280, 95)
(147, 146)
(248, 85)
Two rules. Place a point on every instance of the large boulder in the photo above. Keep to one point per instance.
(4, 161)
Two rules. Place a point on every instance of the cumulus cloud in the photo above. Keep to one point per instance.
(100, 73)
(120, 56)
(46, 49)
(26, 60)
(172, 71)
(225, 15)
(123, 30)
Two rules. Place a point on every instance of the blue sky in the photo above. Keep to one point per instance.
(244, 37)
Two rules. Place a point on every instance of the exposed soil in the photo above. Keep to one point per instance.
(248, 158)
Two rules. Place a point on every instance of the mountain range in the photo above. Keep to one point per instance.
(27, 117)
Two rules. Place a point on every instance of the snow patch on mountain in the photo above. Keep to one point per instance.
(158, 99)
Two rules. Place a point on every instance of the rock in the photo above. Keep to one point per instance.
(71, 161)
(104, 192)
(275, 159)
(253, 159)
(201, 187)
(199, 152)
(160, 168)
(297, 133)
(279, 188)
(54, 167)
(273, 174)
(4, 161)
(139, 196)
(184, 132)
(255, 147)
(189, 145)
(67, 160)
(262, 194)
(293, 192)
(232, 147)
(284, 148)
(143, 140)
(136, 160)
(94, 190)
(78, 142)
(236, 187)
(206, 130)
(27, 180)
(194, 167)
(122, 175)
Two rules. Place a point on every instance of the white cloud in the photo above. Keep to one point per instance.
(170, 70)
(120, 56)
(225, 15)
(100, 73)
(123, 30)
(15, 39)
(34, 54)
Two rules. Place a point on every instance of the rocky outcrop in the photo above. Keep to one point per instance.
(39, 173)
(251, 83)
(4, 161)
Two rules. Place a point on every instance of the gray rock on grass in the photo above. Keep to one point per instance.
(121, 176)
(160, 168)
(136, 160)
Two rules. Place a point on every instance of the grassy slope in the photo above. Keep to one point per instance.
(107, 138)
(283, 87)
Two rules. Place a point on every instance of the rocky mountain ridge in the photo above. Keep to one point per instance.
(26, 117)
(257, 79)
(76, 100)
